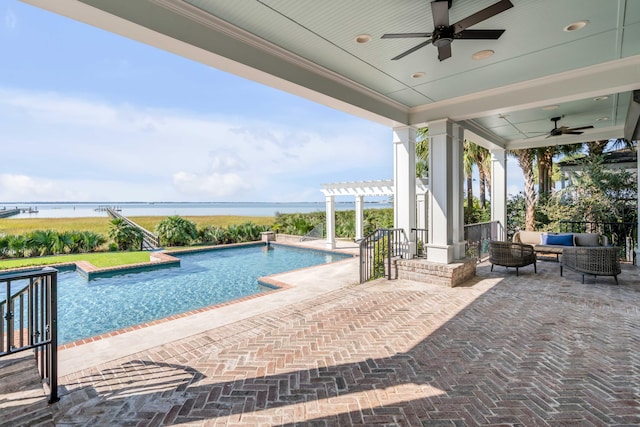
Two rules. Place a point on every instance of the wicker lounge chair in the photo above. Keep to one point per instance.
(510, 254)
(596, 261)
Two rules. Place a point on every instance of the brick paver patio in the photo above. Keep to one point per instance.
(533, 350)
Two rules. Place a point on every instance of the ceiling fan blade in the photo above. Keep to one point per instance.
(413, 49)
(440, 13)
(581, 128)
(404, 35)
(569, 132)
(482, 15)
(444, 52)
(479, 34)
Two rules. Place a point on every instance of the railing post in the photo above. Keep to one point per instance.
(53, 330)
(389, 234)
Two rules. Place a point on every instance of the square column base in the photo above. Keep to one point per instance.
(445, 254)
(449, 275)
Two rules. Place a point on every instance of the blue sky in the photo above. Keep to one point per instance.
(87, 115)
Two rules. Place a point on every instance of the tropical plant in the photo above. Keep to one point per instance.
(176, 231)
(41, 242)
(525, 158)
(599, 194)
(212, 235)
(17, 244)
(4, 246)
(91, 241)
(125, 235)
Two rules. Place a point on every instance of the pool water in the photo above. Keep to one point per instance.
(89, 308)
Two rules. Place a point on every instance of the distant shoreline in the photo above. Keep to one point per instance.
(253, 209)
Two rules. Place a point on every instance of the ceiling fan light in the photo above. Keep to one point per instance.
(363, 38)
(482, 54)
(418, 75)
(575, 26)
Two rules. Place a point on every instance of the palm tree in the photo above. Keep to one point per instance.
(422, 153)
(525, 159)
(176, 231)
(125, 235)
(17, 245)
(544, 163)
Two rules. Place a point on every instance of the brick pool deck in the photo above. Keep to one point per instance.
(533, 350)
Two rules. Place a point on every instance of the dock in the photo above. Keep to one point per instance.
(6, 213)
(150, 241)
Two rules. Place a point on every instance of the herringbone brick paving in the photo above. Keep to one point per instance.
(534, 350)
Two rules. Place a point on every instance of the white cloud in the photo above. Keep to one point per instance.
(22, 187)
(120, 152)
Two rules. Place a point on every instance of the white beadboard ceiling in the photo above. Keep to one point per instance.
(308, 47)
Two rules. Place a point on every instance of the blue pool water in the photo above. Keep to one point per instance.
(88, 308)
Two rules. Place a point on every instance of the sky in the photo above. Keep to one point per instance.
(90, 116)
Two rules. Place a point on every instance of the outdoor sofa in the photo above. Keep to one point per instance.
(555, 243)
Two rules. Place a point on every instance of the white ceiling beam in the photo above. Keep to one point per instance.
(607, 78)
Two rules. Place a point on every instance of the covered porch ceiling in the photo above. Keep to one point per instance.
(314, 49)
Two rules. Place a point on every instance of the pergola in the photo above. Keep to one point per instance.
(576, 60)
(361, 189)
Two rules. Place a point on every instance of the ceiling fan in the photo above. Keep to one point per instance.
(564, 130)
(443, 34)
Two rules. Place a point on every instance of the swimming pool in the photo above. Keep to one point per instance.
(89, 308)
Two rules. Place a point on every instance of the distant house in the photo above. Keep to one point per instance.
(626, 158)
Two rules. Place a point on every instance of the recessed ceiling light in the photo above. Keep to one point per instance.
(578, 25)
(363, 38)
(418, 75)
(602, 119)
(600, 98)
(482, 54)
(550, 107)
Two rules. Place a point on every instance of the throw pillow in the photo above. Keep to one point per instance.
(560, 239)
(587, 239)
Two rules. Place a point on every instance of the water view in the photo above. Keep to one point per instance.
(77, 210)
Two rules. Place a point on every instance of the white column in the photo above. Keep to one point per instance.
(331, 222)
(457, 182)
(499, 190)
(404, 181)
(359, 217)
(422, 209)
(445, 186)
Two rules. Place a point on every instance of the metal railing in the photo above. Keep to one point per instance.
(620, 234)
(29, 320)
(150, 241)
(421, 238)
(477, 237)
(377, 249)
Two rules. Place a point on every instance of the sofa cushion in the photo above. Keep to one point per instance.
(529, 237)
(587, 239)
(558, 239)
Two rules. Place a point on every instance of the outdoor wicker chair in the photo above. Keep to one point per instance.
(596, 261)
(510, 254)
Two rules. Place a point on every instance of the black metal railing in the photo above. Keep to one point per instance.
(377, 250)
(420, 238)
(28, 306)
(477, 237)
(620, 234)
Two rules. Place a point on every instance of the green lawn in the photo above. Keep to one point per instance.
(99, 259)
